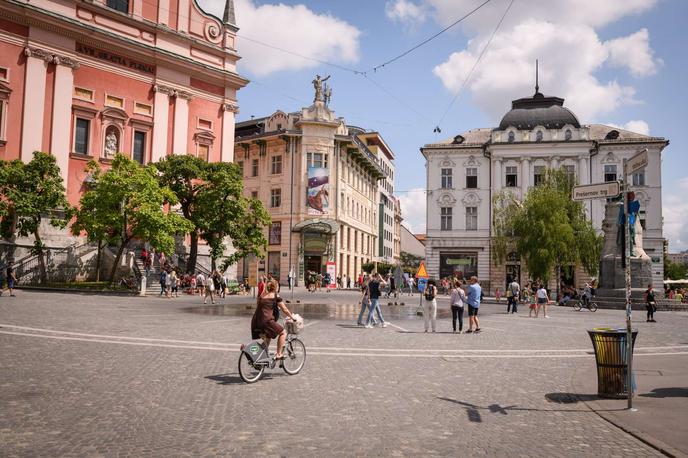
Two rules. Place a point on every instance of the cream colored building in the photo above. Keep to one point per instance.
(320, 181)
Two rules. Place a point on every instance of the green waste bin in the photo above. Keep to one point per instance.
(610, 356)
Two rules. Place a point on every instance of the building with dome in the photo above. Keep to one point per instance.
(539, 132)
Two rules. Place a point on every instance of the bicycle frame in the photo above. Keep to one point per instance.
(257, 352)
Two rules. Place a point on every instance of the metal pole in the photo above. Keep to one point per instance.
(629, 308)
(290, 144)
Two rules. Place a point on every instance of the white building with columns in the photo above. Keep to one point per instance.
(465, 171)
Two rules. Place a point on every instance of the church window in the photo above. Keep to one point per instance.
(511, 177)
(512, 137)
(81, 135)
(139, 150)
(118, 5)
(567, 134)
(610, 172)
(471, 177)
(446, 218)
(538, 136)
(471, 218)
(447, 178)
(538, 174)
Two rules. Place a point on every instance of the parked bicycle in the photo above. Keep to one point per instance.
(255, 356)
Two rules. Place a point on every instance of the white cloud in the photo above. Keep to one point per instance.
(674, 210)
(637, 125)
(404, 11)
(413, 205)
(294, 28)
(633, 52)
(563, 37)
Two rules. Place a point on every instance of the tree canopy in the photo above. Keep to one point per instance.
(548, 229)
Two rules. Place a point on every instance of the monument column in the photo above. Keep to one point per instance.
(37, 61)
(62, 113)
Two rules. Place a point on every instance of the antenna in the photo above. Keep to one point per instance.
(537, 86)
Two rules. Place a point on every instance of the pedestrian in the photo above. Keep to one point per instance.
(163, 260)
(473, 300)
(374, 286)
(261, 285)
(360, 279)
(168, 284)
(175, 283)
(327, 279)
(200, 283)
(411, 282)
(430, 305)
(542, 301)
(348, 281)
(193, 283)
(457, 299)
(163, 281)
(11, 277)
(290, 277)
(513, 293)
(650, 304)
(498, 295)
(210, 288)
(365, 304)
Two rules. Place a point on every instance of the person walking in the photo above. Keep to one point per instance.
(411, 282)
(650, 304)
(168, 284)
(365, 305)
(456, 300)
(290, 277)
(473, 301)
(163, 281)
(348, 281)
(512, 294)
(542, 301)
(375, 284)
(174, 280)
(430, 305)
(200, 284)
(11, 277)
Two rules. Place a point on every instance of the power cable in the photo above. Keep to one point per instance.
(470, 73)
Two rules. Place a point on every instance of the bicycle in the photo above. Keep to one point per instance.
(255, 356)
(589, 304)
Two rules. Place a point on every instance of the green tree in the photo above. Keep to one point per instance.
(28, 193)
(674, 270)
(548, 229)
(129, 203)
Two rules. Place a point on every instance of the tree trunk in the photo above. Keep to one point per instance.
(41, 259)
(117, 260)
(100, 247)
(558, 279)
(212, 264)
(193, 253)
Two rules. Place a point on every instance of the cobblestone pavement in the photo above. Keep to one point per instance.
(86, 375)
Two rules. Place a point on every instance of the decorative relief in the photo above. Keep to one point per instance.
(446, 199)
(66, 61)
(230, 106)
(447, 162)
(172, 92)
(38, 54)
(471, 162)
(471, 199)
(610, 158)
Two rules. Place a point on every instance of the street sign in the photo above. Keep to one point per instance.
(637, 162)
(422, 284)
(596, 191)
(422, 273)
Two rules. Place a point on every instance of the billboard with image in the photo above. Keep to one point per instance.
(318, 192)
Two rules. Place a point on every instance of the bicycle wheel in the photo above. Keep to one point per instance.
(247, 371)
(294, 356)
(577, 306)
(593, 306)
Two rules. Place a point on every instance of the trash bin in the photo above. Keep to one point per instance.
(610, 356)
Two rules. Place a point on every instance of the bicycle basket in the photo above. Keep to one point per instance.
(294, 327)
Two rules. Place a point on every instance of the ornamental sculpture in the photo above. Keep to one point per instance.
(318, 85)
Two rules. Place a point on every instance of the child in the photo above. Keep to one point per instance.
(533, 305)
(193, 285)
(498, 294)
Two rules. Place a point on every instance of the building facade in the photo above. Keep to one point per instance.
(538, 133)
(320, 180)
(86, 80)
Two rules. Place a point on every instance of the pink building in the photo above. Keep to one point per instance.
(87, 79)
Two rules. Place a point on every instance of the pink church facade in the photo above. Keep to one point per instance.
(85, 80)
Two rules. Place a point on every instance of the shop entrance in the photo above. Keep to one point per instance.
(313, 263)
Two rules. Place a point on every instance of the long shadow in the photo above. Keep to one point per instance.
(234, 379)
(667, 393)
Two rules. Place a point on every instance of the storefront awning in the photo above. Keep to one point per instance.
(323, 226)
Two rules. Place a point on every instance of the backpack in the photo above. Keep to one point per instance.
(429, 293)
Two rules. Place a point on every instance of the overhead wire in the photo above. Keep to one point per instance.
(475, 64)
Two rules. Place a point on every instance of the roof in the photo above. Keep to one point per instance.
(538, 110)
(604, 132)
(474, 137)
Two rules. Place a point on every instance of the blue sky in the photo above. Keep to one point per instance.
(615, 61)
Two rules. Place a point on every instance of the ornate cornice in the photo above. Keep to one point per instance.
(172, 92)
(66, 61)
(183, 95)
(230, 106)
(50, 57)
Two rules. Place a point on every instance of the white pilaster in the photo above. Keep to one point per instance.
(60, 141)
(583, 177)
(229, 111)
(161, 112)
(37, 61)
(183, 16)
(180, 131)
(164, 12)
(525, 175)
(497, 183)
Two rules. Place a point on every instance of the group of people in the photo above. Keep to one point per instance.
(679, 294)
(462, 296)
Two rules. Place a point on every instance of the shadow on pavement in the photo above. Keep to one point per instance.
(667, 393)
(234, 379)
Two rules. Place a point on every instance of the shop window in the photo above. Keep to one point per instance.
(139, 150)
(446, 218)
(471, 177)
(82, 133)
(511, 176)
(610, 172)
(118, 5)
(447, 178)
(471, 218)
(275, 198)
(276, 165)
(538, 174)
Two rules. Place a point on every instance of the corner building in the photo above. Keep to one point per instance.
(88, 79)
(538, 133)
(321, 181)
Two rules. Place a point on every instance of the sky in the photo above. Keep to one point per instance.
(617, 62)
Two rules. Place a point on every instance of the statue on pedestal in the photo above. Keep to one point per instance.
(318, 85)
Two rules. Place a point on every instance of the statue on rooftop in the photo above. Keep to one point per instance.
(318, 85)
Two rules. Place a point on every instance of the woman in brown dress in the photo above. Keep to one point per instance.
(264, 319)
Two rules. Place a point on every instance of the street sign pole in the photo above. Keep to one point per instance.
(629, 305)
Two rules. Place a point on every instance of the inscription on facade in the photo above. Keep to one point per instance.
(115, 58)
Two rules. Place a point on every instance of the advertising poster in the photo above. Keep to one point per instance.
(332, 270)
(318, 192)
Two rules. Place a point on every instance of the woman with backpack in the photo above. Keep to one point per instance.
(430, 305)
(457, 299)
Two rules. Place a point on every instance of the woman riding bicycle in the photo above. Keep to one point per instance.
(264, 321)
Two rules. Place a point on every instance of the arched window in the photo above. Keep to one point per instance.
(538, 136)
(567, 134)
(512, 137)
